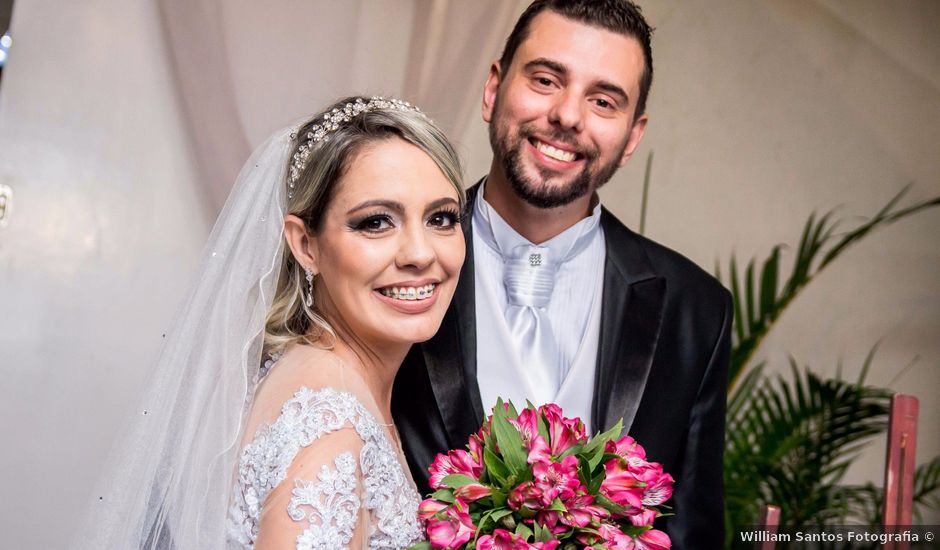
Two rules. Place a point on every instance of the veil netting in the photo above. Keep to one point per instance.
(167, 482)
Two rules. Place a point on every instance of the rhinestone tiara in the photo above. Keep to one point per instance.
(331, 122)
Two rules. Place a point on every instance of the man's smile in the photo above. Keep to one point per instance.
(554, 151)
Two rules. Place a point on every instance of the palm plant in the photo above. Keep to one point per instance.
(791, 440)
(759, 302)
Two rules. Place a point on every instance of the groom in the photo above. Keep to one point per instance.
(560, 302)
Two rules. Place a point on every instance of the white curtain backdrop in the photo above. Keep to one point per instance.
(123, 122)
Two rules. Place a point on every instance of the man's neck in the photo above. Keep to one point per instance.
(536, 224)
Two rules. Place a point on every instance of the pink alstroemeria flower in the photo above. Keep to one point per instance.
(582, 512)
(615, 539)
(429, 507)
(551, 520)
(502, 539)
(473, 492)
(642, 517)
(621, 485)
(557, 479)
(454, 462)
(525, 495)
(627, 447)
(476, 448)
(563, 433)
(452, 527)
(528, 426)
(527, 423)
(658, 486)
(538, 451)
(610, 537)
(653, 539)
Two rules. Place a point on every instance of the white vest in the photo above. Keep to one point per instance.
(500, 372)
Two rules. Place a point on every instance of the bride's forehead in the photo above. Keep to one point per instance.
(393, 171)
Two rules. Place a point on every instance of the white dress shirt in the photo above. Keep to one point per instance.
(573, 310)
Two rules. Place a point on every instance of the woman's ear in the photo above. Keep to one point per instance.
(303, 245)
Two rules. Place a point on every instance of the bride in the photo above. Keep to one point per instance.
(267, 423)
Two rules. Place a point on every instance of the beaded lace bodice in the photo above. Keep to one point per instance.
(372, 489)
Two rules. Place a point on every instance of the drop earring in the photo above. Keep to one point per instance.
(308, 297)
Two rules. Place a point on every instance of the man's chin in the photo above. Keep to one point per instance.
(549, 194)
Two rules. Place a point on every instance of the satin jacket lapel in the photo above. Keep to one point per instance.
(631, 317)
(451, 356)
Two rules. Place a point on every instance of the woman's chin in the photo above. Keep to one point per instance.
(414, 331)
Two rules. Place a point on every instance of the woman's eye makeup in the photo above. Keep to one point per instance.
(444, 219)
(380, 222)
(372, 223)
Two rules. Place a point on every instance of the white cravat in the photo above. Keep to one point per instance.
(529, 279)
(537, 311)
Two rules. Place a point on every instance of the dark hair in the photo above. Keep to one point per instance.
(619, 16)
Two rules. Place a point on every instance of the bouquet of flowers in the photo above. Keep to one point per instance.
(534, 481)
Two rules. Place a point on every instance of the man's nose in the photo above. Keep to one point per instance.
(416, 251)
(568, 111)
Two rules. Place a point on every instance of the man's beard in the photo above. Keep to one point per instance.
(538, 193)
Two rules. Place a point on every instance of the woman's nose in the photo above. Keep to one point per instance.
(416, 250)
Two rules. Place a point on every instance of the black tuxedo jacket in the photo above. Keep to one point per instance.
(662, 366)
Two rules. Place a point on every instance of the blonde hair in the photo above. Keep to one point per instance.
(290, 320)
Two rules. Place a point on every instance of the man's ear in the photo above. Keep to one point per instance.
(489, 91)
(636, 134)
(303, 245)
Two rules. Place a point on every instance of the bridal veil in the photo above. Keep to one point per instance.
(167, 482)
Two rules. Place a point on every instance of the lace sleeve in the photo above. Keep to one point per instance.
(318, 505)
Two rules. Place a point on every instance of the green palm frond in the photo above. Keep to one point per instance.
(761, 297)
(793, 442)
(927, 488)
(866, 502)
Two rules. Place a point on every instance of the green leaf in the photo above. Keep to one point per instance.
(750, 303)
(768, 285)
(572, 450)
(542, 533)
(600, 440)
(609, 504)
(543, 428)
(509, 441)
(500, 513)
(483, 524)
(456, 481)
(557, 506)
(508, 522)
(596, 458)
(498, 498)
(635, 530)
(495, 467)
(423, 545)
(523, 530)
(585, 470)
(443, 495)
(596, 483)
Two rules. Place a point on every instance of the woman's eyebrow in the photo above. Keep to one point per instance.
(391, 205)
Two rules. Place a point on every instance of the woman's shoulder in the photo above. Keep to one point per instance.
(306, 391)
(311, 413)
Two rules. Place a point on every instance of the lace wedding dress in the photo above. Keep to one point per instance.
(320, 472)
